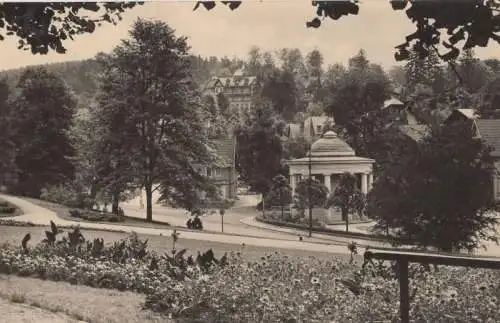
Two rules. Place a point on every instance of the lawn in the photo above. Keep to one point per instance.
(63, 212)
(35, 300)
(160, 244)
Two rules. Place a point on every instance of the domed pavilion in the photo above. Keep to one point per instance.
(330, 157)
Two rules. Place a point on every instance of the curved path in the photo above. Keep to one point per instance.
(42, 216)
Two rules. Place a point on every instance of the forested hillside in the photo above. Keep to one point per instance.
(81, 76)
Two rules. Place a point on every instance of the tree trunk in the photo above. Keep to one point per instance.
(116, 202)
(345, 215)
(282, 211)
(149, 201)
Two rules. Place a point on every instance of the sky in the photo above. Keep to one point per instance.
(269, 24)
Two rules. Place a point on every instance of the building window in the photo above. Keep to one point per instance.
(223, 191)
(212, 171)
(318, 129)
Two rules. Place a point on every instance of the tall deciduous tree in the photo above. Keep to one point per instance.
(153, 92)
(348, 197)
(259, 150)
(7, 147)
(280, 193)
(446, 184)
(318, 193)
(281, 91)
(355, 99)
(423, 70)
(315, 73)
(474, 74)
(42, 113)
(114, 155)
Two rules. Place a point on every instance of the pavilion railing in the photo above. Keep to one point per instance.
(403, 258)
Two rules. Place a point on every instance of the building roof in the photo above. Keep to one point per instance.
(239, 72)
(489, 131)
(331, 160)
(461, 114)
(212, 83)
(416, 132)
(225, 149)
(392, 102)
(235, 81)
(468, 113)
(330, 145)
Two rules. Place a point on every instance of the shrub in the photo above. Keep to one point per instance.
(67, 194)
(75, 213)
(94, 216)
(195, 223)
(7, 209)
(124, 265)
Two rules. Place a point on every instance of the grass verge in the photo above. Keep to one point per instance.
(63, 212)
(339, 233)
(161, 244)
(78, 303)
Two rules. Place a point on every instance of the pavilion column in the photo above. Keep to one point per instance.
(370, 181)
(292, 184)
(364, 183)
(328, 182)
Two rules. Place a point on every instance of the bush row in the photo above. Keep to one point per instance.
(7, 209)
(95, 216)
(320, 228)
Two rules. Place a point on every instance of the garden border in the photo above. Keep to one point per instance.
(380, 238)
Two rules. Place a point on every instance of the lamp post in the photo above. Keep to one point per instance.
(309, 191)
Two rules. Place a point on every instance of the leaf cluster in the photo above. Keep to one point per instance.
(41, 27)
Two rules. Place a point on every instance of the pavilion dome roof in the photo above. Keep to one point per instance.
(330, 145)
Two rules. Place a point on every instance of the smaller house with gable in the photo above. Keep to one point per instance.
(313, 126)
(487, 130)
(224, 176)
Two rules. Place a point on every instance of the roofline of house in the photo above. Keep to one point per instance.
(331, 160)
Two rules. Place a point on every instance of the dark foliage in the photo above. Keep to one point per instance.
(195, 223)
(445, 184)
(41, 27)
(41, 115)
(474, 21)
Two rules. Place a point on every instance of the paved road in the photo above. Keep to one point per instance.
(39, 215)
(238, 220)
(257, 234)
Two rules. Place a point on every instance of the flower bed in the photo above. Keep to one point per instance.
(95, 216)
(8, 209)
(276, 288)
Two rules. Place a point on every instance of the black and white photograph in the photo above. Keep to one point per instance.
(257, 161)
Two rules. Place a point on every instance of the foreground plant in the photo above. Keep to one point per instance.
(273, 289)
